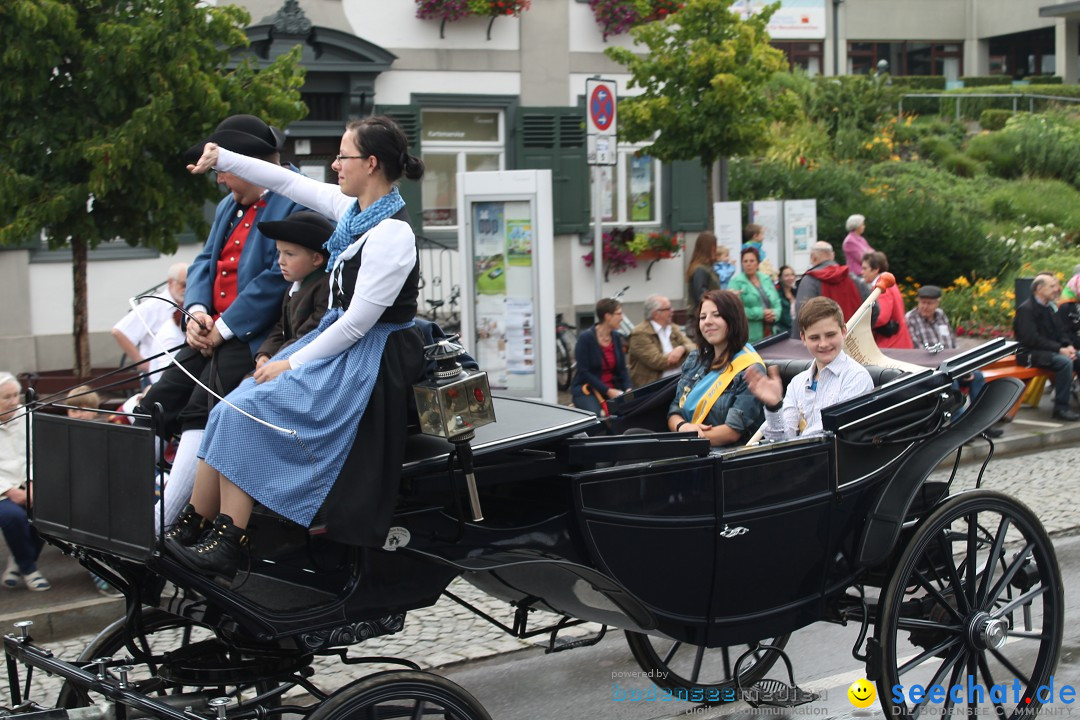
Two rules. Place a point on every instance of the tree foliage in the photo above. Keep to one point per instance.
(100, 97)
(702, 83)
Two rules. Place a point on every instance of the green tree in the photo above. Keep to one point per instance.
(100, 97)
(702, 81)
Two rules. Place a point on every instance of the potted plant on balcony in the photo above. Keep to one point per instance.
(617, 16)
(656, 245)
(452, 10)
(624, 247)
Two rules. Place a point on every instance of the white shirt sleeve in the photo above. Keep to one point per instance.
(388, 254)
(784, 424)
(324, 198)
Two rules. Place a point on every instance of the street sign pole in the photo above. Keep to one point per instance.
(600, 111)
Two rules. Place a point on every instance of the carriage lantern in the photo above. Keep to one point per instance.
(452, 403)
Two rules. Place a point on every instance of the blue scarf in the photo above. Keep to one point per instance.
(356, 222)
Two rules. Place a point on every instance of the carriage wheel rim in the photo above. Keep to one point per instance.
(983, 636)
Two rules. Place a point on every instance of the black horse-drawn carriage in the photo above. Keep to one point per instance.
(707, 561)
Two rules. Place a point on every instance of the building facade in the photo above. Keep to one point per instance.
(508, 93)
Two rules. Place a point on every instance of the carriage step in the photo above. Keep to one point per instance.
(777, 694)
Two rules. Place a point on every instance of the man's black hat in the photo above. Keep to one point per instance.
(304, 227)
(244, 134)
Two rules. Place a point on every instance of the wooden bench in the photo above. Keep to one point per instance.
(1034, 380)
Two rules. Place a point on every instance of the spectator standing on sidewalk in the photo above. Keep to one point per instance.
(1044, 339)
(135, 332)
(24, 544)
(855, 245)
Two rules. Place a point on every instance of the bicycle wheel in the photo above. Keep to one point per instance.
(564, 364)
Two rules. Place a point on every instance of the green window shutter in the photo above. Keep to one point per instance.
(686, 207)
(553, 138)
(408, 117)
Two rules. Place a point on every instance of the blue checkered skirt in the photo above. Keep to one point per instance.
(321, 402)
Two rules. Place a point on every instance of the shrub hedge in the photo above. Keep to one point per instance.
(994, 119)
(971, 108)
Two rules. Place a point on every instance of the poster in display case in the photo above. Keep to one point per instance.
(505, 245)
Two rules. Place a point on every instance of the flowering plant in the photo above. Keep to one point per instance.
(663, 242)
(618, 257)
(617, 16)
(623, 247)
(451, 10)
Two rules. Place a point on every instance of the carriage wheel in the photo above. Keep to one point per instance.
(401, 694)
(164, 632)
(977, 592)
(680, 666)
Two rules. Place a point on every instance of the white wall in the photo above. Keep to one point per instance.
(109, 285)
(395, 88)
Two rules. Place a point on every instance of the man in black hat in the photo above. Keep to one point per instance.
(930, 329)
(234, 292)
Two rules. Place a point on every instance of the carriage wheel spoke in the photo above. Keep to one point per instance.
(917, 624)
(972, 550)
(991, 560)
(726, 657)
(697, 663)
(1010, 667)
(1010, 573)
(936, 594)
(949, 663)
(964, 607)
(988, 684)
(954, 680)
(930, 652)
(671, 653)
(1020, 600)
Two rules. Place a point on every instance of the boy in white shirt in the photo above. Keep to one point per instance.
(832, 378)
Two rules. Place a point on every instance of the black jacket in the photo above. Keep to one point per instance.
(590, 363)
(1039, 331)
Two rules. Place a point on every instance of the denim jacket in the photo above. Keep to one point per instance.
(736, 407)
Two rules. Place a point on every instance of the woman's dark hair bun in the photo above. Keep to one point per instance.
(413, 168)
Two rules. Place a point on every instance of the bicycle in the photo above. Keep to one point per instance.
(565, 340)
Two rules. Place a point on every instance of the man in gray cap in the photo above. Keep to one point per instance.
(234, 292)
(930, 329)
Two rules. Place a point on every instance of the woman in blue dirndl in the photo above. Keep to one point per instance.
(283, 436)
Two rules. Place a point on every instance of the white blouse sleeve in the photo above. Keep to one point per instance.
(388, 254)
(324, 198)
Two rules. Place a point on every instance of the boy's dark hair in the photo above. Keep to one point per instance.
(817, 309)
(750, 231)
(605, 307)
(876, 260)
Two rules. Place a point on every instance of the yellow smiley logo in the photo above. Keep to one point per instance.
(862, 693)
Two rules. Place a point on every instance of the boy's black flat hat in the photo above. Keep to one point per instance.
(244, 134)
(304, 227)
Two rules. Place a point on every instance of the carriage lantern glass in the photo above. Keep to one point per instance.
(453, 401)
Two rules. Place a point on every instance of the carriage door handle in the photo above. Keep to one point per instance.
(730, 532)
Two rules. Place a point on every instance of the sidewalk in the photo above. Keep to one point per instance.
(447, 633)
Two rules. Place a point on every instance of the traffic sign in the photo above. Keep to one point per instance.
(601, 109)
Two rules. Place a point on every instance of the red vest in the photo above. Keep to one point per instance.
(226, 287)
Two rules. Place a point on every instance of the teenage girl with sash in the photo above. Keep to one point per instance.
(713, 398)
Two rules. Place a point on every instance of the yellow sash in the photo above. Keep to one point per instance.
(742, 361)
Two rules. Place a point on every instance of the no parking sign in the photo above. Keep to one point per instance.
(600, 108)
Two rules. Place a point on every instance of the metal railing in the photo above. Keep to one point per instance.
(1015, 97)
(440, 292)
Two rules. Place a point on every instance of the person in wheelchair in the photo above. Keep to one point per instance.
(833, 376)
(348, 378)
(712, 397)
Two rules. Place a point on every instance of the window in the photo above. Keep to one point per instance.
(456, 141)
(806, 55)
(631, 189)
(907, 58)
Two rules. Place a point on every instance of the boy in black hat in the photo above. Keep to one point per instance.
(302, 259)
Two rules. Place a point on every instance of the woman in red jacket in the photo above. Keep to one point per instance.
(891, 330)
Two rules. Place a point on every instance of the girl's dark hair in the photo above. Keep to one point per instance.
(382, 137)
(780, 286)
(734, 314)
(605, 307)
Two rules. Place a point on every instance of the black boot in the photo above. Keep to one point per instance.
(220, 551)
(187, 529)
